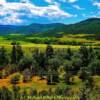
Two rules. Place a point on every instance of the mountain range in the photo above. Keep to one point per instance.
(88, 26)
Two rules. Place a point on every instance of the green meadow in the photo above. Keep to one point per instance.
(70, 40)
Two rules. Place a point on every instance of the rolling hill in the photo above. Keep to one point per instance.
(89, 26)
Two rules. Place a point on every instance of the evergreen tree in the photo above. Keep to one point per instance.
(19, 52)
(49, 51)
(69, 54)
(24, 63)
(3, 56)
(14, 55)
(54, 63)
(84, 52)
(35, 54)
(42, 61)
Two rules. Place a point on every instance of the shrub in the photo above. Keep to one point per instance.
(15, 79)
(33, 92)
(43, 93)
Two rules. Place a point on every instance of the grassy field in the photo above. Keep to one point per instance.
(26, 41)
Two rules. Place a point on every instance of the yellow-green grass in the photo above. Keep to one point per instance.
(80, 38)
(38, 84)
(27, 46)
(97, 81)
(41, 85)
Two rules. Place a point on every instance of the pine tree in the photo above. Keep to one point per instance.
(19, 52)
(49, 51)
(3, 56)
(84, 52)
(14, 55)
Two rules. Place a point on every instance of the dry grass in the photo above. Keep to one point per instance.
(40, 85)
(35, 83)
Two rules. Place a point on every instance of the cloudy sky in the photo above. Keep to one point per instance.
(21, 12)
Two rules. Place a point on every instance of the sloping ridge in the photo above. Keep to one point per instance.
(89, 26)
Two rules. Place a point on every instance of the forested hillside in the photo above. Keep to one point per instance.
(89, 26)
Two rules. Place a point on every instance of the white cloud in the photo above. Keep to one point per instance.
(49, 11)
(13, 19)
(49, 1)
(96, 4)
(71, 1)
(52, 1)
(11, 12)
(2, 2)
(91, 15)
(78, 7)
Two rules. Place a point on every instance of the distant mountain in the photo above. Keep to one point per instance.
(8, 29)
(89, 26)
(39, 28)
(30, 29)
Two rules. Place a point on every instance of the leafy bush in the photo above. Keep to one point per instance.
(15, 79)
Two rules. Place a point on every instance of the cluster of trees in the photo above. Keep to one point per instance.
(47, 63)
(14, 57)
(84, 63)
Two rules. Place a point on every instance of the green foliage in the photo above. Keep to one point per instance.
(52, 77)
(24, 63)
(5, 94)
(16, 92)
(49, 51)
(88, 26)
(54, 63)
(95, 67)
(33, 92)
(17, 53)
(84, 74)
(84, 55)
(48, 65)
(3, 57)
(15, 79)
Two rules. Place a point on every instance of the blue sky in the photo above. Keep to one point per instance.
(24, 12)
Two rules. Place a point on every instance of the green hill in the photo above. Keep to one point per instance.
(89, 26)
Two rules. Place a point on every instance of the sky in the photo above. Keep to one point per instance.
(25, 12)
